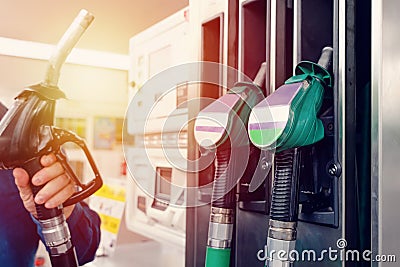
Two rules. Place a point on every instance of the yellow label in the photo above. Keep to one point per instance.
(109, 223)
(112, 192)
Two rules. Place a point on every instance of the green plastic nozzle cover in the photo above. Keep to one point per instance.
(304, 127)
(218, 257)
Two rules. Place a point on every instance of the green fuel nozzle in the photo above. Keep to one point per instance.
(288, 117)
(286, 121)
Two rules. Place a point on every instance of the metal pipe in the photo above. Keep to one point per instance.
(64, 47)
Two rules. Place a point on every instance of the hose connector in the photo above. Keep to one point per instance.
(220, 228)
(280, 242)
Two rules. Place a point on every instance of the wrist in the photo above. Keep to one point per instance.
(68, 211)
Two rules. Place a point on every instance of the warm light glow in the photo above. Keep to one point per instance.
(41, 51)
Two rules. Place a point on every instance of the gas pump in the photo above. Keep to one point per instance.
(333, 171)
(288, 120)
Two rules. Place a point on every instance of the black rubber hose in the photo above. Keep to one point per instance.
(284, 204)
(67, 259)
(223, 195)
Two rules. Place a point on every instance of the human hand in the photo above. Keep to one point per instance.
(57, 186)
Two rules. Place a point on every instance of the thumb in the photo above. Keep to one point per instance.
(25, 191)
(21, 178)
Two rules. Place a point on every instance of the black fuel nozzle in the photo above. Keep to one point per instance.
(27, 133)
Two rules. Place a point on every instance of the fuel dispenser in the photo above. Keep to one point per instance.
(155, 203)
(331, 190)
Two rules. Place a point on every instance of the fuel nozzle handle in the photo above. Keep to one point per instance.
(288, 117)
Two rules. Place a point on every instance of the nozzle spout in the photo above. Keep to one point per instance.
(260, 77)
(64, 47)
(325, 60)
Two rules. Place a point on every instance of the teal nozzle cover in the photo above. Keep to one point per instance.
(288, 117)
(218, 257)
(319, 71)
(309, 69)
